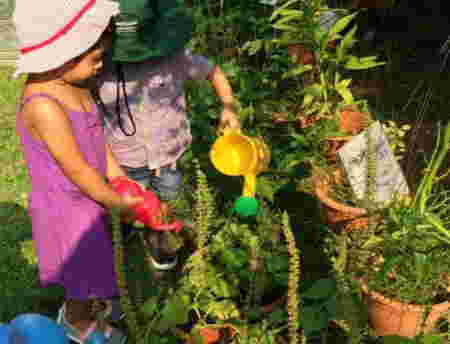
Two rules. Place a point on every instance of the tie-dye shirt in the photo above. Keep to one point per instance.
(155, 90)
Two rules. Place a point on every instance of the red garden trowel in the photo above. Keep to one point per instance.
(149, 212)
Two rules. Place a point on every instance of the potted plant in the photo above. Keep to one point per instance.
(235, 282)
(403, 261)
(340, 208)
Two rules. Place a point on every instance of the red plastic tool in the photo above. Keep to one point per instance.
(149, 212)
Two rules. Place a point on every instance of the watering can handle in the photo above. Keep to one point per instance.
(249, 185)
(224, 131)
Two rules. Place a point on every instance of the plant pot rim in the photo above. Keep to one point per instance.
(321, 188)
(380, 298)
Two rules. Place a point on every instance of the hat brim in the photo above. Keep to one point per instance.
(163, 38)
(74, 43)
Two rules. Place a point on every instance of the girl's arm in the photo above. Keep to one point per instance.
(224, 91)
(50, 123)
(113, 167)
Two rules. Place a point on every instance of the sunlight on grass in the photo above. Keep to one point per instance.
(17, 266)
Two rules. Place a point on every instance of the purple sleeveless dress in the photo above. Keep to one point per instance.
(73, 245)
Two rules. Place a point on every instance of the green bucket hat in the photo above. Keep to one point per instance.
(150, 28)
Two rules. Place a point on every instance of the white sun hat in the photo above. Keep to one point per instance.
(53, 32)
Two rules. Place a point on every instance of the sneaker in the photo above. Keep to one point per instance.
(162, 256)
(111, 335)
(163, 263)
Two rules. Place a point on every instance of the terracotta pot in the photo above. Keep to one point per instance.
(390, 317)
(333, 144)
(301, 54)
(210, 335)
(338, 215)
(353, 121)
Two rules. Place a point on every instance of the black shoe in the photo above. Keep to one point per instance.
(164, 262)
(162, 256)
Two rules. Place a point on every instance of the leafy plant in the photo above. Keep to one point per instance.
(409, 249)
(319, 306)
(396, 136)
(328, 90)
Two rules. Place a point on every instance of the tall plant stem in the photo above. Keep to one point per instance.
(125, 300)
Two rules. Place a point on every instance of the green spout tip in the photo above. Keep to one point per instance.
(246, 206)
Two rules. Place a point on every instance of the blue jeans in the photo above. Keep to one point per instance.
(167, 185)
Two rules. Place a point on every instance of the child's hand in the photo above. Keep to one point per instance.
(229, 119)
(126, 207)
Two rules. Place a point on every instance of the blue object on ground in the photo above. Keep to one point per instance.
(5, 334)
(38, 329)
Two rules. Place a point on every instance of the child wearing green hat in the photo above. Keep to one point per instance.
(141, 92)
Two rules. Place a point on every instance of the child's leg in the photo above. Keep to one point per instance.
(167, 184)
(79, 314)
(83, 320)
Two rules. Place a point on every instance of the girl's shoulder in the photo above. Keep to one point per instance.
(35, 98)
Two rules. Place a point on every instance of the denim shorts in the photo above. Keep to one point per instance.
(167, 185)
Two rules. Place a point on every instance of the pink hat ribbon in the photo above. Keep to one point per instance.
(61, 32)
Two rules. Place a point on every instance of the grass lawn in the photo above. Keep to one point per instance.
(18, 272)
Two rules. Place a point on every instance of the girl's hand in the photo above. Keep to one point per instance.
(229, 119)
(126, 207)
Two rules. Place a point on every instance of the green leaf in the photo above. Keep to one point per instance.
(347, 42)
(355, 63)
(174, 313)
(283, 27)
(298, 70)
(313, 319)
(433, 339)
(253, 47)
(345, 93)
(397, 340)
(315, 90)
(196, 337)
(331, 307)
(223, 289)
(321, 289)
(150, 307)
(266, 188)
(341, 24)
(280, 9)
(307, 100)
(223, 310)
(373, 241)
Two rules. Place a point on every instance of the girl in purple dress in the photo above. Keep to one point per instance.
(67, 157)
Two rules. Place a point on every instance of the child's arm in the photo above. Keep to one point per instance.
(113, 167)
(223, 90)
(50, 123)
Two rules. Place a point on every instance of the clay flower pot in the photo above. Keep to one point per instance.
(301, 54)
(352, 121)
(210, 335)
(390, 317)
(335, 214)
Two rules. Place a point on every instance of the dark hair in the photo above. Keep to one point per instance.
(119, 85)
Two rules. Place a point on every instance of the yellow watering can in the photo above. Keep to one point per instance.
(235, 154)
